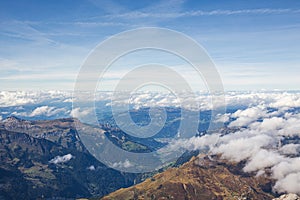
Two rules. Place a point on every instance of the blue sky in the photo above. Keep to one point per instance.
(254, 44)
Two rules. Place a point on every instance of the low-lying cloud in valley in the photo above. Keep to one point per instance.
(266, 136)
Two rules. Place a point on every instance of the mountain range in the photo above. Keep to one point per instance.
(45, 159)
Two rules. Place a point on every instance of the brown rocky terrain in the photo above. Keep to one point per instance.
(201, 178)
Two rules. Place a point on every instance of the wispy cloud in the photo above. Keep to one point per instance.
(196, 13)
(96, 24)
(67, 75)
(89, 23)
(22, 30)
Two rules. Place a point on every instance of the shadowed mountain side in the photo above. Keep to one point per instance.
(27, 171)
(47, 159)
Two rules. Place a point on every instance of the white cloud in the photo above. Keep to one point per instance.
(289, 184)
(61, 159)
(80, 113)
(269, 124)
(287, 166)
(46, 111)
(291, 126)
(290, 149)
(259, 143)
(286, 100)
(194, 143)
(125, 164)
(223, 118)
(257, 102)
(196, 13)
(92, 168)
(241, 145)
(18, 98)
(263, 159)
(245, 117)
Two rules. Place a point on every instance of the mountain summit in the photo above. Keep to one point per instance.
(203, 177)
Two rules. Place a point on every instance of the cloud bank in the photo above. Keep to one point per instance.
(266, 136)
(263, 131)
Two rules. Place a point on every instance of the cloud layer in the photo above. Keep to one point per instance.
(264, 127)
(265, 135)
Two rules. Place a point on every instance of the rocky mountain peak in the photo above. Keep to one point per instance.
(203, 177)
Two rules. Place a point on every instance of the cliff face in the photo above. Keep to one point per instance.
(200, 178)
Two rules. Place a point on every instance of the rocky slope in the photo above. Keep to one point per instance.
(47, 159)
(201, 178)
